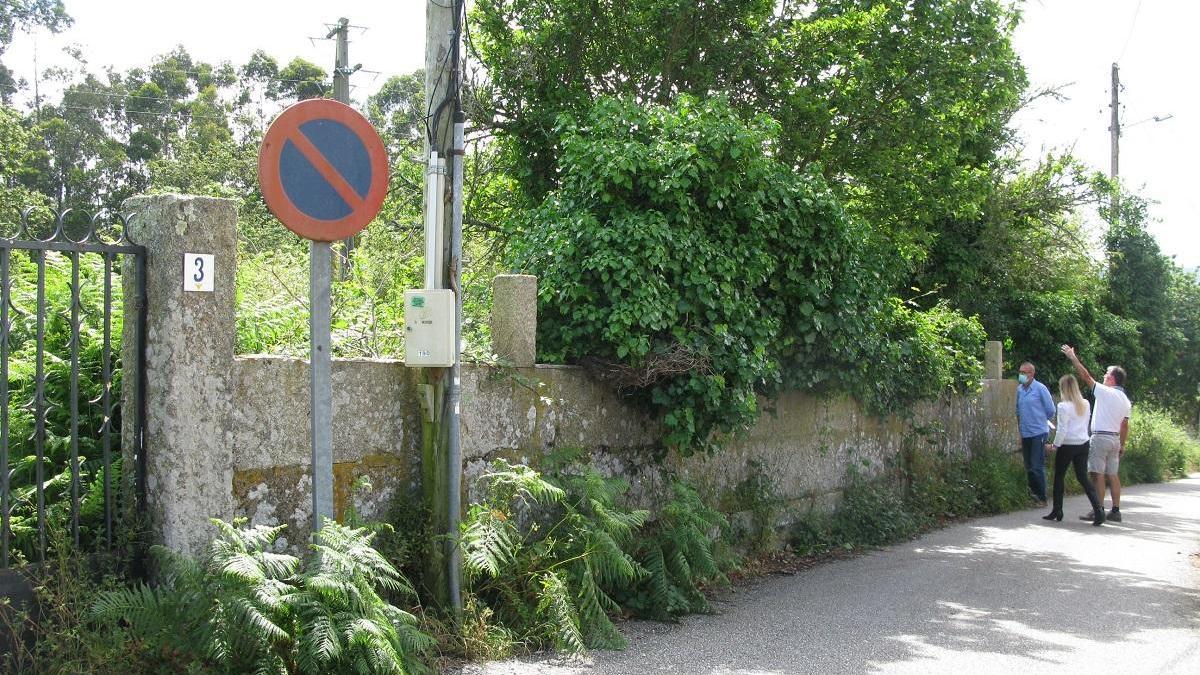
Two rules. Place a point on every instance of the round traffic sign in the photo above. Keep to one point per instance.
(323, 170)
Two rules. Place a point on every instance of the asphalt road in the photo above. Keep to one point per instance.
(1008, 594)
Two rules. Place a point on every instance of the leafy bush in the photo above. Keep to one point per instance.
(681, 253)
(918, 355)
(247, 609)
(550, 558)
(998, 482)
(1157, 449)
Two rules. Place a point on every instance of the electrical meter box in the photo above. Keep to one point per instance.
(429, 328)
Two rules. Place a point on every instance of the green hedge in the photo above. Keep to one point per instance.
(1158, 448)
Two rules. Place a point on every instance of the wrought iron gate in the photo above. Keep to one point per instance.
(65, 390)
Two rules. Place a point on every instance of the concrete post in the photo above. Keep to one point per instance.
(190, 339)
(514, 319)
(993, 361)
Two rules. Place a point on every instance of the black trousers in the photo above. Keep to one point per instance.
(1076, 455)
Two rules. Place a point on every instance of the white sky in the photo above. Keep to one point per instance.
(1060, 41)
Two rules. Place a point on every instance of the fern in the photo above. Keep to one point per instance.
(539, 549)
(678, 558)
(247, 609)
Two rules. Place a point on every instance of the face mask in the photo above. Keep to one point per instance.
(1022, 379)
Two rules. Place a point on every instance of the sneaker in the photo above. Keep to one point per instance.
(1114, 515)
(1090, 515)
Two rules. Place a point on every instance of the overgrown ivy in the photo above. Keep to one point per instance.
(680, 251)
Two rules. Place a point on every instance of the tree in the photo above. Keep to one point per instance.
(18, 15)
(1139, 287)
(16, 154)
(549, 57)
(903, 106)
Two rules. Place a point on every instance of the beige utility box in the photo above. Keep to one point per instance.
(429, 328)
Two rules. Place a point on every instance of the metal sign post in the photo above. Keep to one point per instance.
(323, 173)
(320, 380)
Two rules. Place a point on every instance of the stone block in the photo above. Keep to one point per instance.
(993, 361)
(514, 319)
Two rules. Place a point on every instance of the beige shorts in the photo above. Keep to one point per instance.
(1104, 456)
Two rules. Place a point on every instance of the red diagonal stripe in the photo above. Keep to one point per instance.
(327, 170)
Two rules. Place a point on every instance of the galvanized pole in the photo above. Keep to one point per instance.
(320, 382)
(454, 451)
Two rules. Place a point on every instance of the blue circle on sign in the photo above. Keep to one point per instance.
(305, 185)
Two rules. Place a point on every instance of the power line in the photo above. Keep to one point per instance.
(1132, 25)
(138, 112)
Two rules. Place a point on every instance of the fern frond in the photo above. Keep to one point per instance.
(656, 580)
(558, 614)
(516, 481)
(322, 640)
(486, 543)
(278, 565)
(255, 621)
(615, 566)
(595, 625)
(141, 606)
(240, 566)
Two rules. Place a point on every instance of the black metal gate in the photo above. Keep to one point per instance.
(66, 478)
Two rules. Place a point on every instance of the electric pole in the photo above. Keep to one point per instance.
(1114, 131)
(440, 458)
(341, 93)
(1115, 126)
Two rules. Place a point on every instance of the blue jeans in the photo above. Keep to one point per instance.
(1033, 451)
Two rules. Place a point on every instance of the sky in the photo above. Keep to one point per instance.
(1070, 44)
(1074, 43)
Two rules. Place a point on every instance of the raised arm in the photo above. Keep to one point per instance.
(1084, 375)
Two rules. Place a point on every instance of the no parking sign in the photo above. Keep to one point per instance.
(323, 173)
(323, 170)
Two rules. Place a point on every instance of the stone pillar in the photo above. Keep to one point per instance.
(190, 340)
(514, 318)
(993, 361)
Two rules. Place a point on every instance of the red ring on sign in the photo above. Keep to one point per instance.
(286, 127)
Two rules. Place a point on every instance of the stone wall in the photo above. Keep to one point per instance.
(229, 436)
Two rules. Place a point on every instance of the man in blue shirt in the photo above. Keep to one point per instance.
(1035, 408)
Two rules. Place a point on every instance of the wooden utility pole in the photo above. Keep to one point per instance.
(1114, 134)
(1114, 128)
(440, 51)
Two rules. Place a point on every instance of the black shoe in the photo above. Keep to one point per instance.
(1099, 519)
(1114, 515)
(1053, 515)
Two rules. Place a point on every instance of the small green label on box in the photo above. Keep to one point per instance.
(418, 301)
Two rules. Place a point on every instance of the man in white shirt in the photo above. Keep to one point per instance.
(1110, 429)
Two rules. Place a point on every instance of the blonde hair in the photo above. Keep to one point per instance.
(1068, 389)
